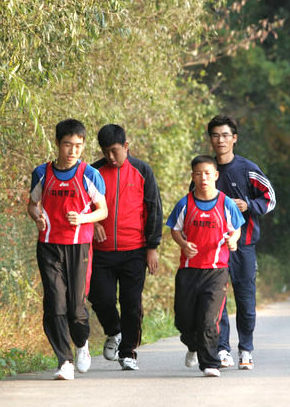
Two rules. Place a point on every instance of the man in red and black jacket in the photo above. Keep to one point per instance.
(125, 243)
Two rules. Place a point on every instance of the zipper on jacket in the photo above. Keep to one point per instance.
(116, 209)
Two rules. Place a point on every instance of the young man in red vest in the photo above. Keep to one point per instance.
(63, 193)
(206, 225)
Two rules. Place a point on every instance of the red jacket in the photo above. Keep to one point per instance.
(134, 206)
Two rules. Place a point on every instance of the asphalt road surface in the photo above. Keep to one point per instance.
(163, 380)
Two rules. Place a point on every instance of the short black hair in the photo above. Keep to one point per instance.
(220, 120)
(111, 134)
(200, 159)
(69, 127)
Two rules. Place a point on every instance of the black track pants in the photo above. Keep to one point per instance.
(63, 271)
(128, 269)
(199, 300)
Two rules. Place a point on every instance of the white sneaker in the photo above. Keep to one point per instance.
(111, 346)
(245, 360)
(66, 372)
(191, 359)
(128, 364)
(83, 358)
(226, 358)
(211, 372)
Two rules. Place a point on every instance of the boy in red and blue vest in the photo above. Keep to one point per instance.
(206, 225)
(66, 198)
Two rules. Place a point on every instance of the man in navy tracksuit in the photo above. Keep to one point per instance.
(245, 183)
(124, 245)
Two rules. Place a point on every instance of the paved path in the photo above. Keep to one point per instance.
(164, 381)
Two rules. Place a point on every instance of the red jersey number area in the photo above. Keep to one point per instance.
(60, 197)
(206, 229)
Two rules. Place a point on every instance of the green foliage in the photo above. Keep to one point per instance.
(159, 324)
(49, 40)
(273, 275)
(17, 361)
(17, 264)
(127, 71)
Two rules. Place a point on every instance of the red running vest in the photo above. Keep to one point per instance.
(60, 197)
(207, 230)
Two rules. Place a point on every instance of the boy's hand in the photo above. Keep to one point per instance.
(242, 205)
(189, 249)
(152, 261)
(41, 222)
(231, 242)
(99, 233)
(74, 218)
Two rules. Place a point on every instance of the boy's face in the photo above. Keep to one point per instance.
(204, 176)
(116, 154)
(70, 149)
(223, 140)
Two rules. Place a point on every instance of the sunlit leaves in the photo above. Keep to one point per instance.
(224, 32)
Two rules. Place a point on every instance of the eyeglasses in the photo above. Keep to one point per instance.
(205, 174)
(217, 136)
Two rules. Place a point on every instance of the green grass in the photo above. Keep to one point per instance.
(17, 361)
(157, 325)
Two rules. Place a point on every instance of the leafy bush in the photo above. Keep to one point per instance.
(272, 276)
(19, 361)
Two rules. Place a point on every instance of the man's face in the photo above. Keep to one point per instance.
(70, 150)
(116, 154)
(223, 140)
(204, 176)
